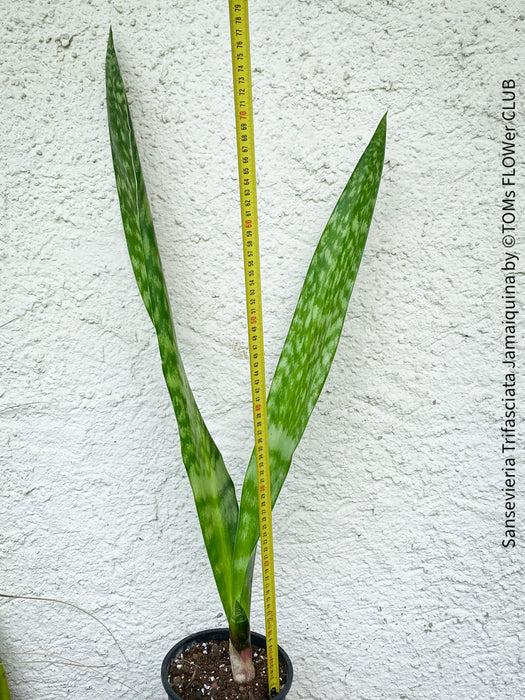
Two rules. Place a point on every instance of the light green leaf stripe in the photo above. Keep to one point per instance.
(212, 487)
(4, 689)
(311, 342)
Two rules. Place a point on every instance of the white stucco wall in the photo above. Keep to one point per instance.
(392, 582)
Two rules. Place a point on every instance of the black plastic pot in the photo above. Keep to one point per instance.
(258, 640)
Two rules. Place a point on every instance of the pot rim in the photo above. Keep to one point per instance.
(220, 633)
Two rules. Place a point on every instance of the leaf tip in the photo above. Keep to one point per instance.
(381, 127)
(379, 137)
(111, 47)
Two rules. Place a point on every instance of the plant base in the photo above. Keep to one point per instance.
(220, 636)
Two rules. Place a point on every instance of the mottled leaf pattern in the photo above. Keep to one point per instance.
(211, 484)
(311, 342)
(4, 690)
(231, 535)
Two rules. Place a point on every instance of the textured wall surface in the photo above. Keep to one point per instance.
(392, 581)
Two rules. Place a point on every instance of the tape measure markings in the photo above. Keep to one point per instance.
(241, 65)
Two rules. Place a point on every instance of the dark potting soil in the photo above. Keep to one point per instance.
(204, 671)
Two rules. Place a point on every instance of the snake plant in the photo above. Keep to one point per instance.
(231, 529)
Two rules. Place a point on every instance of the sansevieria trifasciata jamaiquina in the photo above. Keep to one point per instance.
(230, 529)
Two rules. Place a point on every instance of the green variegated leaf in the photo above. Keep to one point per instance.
(311, 343)
(4, 689)
(211, 484)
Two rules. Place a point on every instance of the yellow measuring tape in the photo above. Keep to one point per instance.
(242, 88)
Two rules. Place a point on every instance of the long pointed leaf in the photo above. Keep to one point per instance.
(311, 342)
(211, 484)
